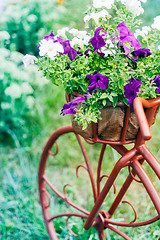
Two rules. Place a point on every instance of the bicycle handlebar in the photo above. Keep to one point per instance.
(139, 104)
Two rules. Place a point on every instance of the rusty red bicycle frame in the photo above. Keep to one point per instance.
(145, 112)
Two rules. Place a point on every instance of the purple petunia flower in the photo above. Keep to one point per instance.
(97, 41)
(157, 82)
(70, 107)
(96, 81)
(134, 61)
(72, 53)
(127, 36)
(142, 52)
(48, 37)
(131, 90)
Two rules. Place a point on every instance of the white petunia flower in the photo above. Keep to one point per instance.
(74, 32)
(109, 48)
(108, 51)
(28, 59)
(14, 90)
(50, 48)
(80, 41)
(143, 32)
(133, 6)
(80, 38)
(79, 34)
(62, 32)
(77, 41)
(103, 3)
(96, 16)
(156, 23)
(93, 16)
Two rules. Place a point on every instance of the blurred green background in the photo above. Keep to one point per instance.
(30, 111)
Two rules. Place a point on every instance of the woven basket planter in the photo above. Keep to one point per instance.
(111, 126)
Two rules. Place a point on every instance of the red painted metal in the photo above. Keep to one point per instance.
(133, 159)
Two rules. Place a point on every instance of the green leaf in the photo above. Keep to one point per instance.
(104, 102)
(115, 100)
(120, 83)
(103, 96)
(126, 101)
(110, 98)
(52, 70)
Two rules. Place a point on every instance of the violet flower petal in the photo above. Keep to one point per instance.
(131, 90)
(48, 37)
(127, 36)
(142, 52)
(72, 53)
(97, 41)
(96, 81)
(100, 54)
(70, 107)
(157, 82)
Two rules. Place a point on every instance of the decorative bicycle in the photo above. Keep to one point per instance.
(132, 159)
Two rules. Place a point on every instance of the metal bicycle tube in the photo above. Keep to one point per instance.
(155, 197)
(150, 158)
(119, 165)
(121, 193)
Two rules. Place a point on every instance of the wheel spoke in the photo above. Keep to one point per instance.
(67, 215)
(138, 224)
(63, 197)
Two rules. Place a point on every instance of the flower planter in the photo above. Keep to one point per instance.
(110, 127)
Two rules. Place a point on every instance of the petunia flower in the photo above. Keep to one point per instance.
(97, 41)
(62, 32)
(72, 53)
(143, 32)
(156, 24)
(156, 80)
(50, 48)
(142, 52)
(134, 61)
(29, 59)
(96, 16)
(96, 81)
(134, 6)
(80, 42)
(70, 107)
(50, 36)
(127, 36)
(47, 38)
(131, 90)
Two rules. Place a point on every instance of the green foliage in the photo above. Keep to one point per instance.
(116, 64)
(17, 97)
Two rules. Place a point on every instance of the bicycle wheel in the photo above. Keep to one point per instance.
(49, 186)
